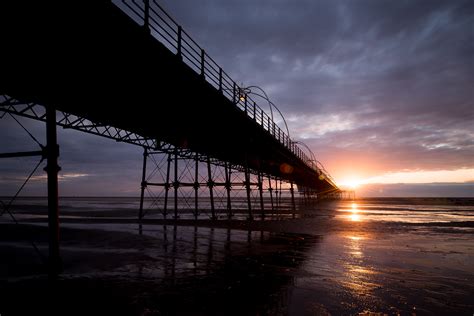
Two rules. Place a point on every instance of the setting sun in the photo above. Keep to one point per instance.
(351, 183)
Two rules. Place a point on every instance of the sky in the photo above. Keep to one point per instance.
(381, 91)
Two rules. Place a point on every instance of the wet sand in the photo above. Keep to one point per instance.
(328, 263)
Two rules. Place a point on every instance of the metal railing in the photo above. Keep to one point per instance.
(165, 29)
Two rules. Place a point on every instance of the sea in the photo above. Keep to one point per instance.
(372, 256)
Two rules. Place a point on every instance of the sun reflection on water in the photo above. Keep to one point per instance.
(355, 216)
(358, 276)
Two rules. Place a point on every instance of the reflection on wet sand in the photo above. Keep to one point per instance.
(168, 270)
(358, 277)
(353, 213)
(232, 272)
(357, 258)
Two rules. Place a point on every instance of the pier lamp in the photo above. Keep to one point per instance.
(245, 91)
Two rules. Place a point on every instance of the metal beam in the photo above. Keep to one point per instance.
(143, 184)
(210, 184)
(52, 169)
(24, 154)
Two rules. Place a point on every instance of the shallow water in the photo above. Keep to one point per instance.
(339, 258)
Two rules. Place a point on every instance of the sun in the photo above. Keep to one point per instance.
(351, 183)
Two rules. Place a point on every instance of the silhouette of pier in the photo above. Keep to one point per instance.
(127, 71)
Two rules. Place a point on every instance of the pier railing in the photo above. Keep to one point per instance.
(165, 29)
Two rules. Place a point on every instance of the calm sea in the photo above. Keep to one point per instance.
(362, 257)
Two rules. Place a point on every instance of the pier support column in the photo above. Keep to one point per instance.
(176, 184)
(210, 184)
(196, 186)
(279, 194)
(277, 201)
(167, 186)
(293, 205)
(270, 189)
(52, 169)
(260, 191)
(228, 187)
(143, 183)
(247, 188)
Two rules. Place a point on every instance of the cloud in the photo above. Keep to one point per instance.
(371, 86)
(417, 190)
(388, 82)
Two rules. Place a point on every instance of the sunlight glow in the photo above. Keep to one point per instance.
(61, 177)
(355, 217)
(351, 237)
(421, 176)
(351, 183)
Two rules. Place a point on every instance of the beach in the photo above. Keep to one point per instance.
(382, 256)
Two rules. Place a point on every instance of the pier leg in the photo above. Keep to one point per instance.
(176, 184)
(196, 186)
(143, 183)
(210, 184)
(279, 195)
(52, 169)
(293, 205)
(260, 191)
(167, 187)
(247, 187)
(277, 204)
(228, 173)
(270, 189)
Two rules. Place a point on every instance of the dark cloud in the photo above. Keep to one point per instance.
(90, 165)
(417, 190)
(382, 83)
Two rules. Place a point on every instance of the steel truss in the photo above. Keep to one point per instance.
(197, 186)
(66, 120)
(181, 175)
(50, 152)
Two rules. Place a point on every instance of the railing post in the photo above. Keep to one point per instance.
(234, 93)
(202, 62)
(179, 52)
(146, 17)
(220, 79)
(254, 111)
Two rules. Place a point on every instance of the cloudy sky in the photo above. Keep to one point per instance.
(382, 91)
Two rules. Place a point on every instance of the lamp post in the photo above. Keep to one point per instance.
(243, 92)
(313, 157)
(315, 162)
